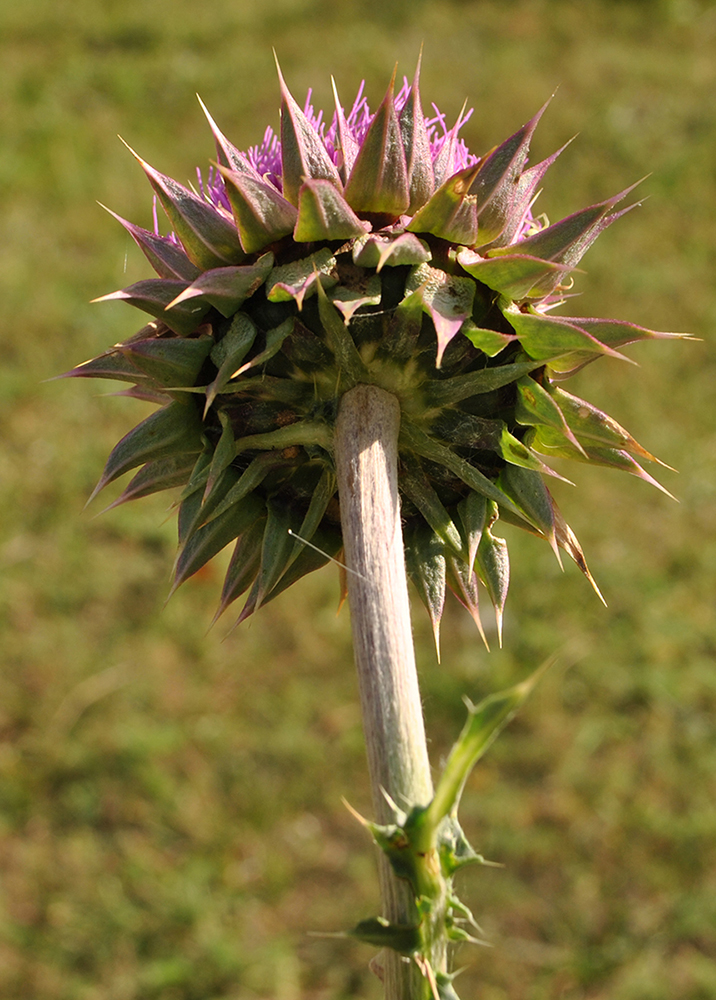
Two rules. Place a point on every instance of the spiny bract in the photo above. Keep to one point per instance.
(376, 249)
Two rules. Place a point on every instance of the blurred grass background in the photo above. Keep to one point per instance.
(170, 816)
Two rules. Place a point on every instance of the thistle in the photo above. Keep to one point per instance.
(374, 250)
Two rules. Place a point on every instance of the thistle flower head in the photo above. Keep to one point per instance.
(363, 247)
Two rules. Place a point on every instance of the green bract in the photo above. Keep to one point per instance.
(374, 250)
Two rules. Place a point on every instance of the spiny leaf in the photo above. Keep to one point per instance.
(228, 155)
(347, 143)
(490, 342)
(339, 340)
(513, 276)
(303, 154)
(162, 474)
(261, 213)
(434, 451)
(298, 280)
(551, 443)
(590, 423)
(418, 157)
(524, 194)
(536, 406)
(227, 288)
(229, 352)
(454, 390)
(494, 567)
(451, 213)
(447, 300)
(473, 515)
(252, 477)
(321, 496)
(166, 257)
(328, 543)
(534, 501)
(444, 162)
(169, 361)
(154, 295)
(349, 300)
(380, 249)
(378, 182)
(463, 583)
(243, 566)
(495, 186)
(545, 338)
(425, 563)
(277, 545)
(324, 214)
(203, 543)
(209, 238)
(417, 487)
(173, 430)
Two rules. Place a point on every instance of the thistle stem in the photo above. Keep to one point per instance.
(366, 456)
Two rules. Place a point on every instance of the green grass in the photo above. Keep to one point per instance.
(170, 817)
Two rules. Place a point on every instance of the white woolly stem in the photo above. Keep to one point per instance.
(366, 455)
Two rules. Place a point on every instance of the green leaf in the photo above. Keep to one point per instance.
(244, 565)
(496, 186)
(463, 583)
(490, 342)
(173, 430)
(417, 487)
(516, 453)
(535, 406)
(546, 338)
(328, 541)
(592, 425)
(338, 338)
(321, 496)
(252, 477)
(473, 515)
(427, 447)
(274, 340)
(349, 300)
(277, 546)
(551, 443)
(485, 722)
